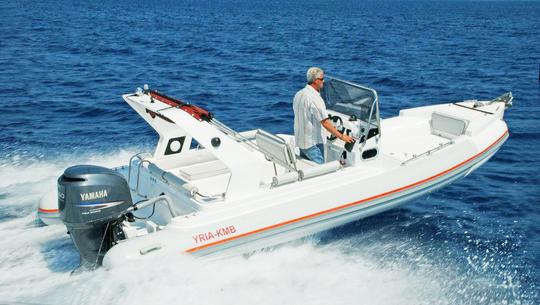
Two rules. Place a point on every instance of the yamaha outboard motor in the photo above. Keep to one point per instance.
(92, 202)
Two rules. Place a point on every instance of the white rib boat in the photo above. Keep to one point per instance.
(209, 190)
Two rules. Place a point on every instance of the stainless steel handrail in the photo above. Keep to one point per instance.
(429, 152)
(366, 131)
(178, 183)
(209, 197)
(142, 161)
(138, 155)
(233, 133)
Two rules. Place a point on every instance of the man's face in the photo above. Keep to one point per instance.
(319, 82)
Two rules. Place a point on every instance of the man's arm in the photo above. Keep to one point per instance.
(332, 129)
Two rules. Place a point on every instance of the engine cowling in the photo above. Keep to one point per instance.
(92, 201)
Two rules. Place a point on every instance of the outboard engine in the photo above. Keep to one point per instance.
(92, 201)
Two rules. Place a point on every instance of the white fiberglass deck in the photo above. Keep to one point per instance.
(408, 137)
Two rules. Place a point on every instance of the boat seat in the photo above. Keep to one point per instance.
(203, 170)
(301, 161)
(447, 126)
(276, 149)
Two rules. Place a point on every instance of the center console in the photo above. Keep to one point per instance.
(350, 154)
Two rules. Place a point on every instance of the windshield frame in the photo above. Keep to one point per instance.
(373, 120)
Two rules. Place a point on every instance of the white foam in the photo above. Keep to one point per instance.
(22, 185)
(293, 274)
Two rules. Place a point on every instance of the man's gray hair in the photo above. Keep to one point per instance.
(313, 73)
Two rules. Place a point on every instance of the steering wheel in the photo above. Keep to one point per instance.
(338, 123)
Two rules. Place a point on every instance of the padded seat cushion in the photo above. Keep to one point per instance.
(203, 170)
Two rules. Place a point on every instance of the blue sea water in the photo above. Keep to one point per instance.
(64, 65)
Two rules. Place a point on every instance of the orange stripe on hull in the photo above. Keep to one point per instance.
(348, 204)
(48, 211)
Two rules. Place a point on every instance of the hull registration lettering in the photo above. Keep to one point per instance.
(211, 235)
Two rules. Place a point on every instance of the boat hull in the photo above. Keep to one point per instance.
(245, 191)
(267, 226)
